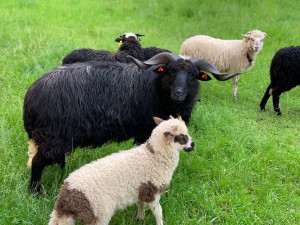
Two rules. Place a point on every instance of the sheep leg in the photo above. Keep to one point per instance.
(141, 210)
(38, 165)
(265, 98)
(235, 83)
(276, 92)
(157, 211)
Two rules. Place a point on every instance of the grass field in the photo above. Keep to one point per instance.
(245, 168)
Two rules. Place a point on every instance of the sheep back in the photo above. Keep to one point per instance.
(285, 67)
(95, 102)
(227, 55)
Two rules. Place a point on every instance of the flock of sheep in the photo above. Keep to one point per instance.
(98, 96)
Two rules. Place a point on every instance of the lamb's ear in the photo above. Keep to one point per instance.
(203, 76)
(169, 137)
(265, 34)
(157, 120)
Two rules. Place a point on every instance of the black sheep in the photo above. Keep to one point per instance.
(130, 46)
(284, 74)
(88, 104)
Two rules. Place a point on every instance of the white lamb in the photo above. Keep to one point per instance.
(140, 175)
(229, 56)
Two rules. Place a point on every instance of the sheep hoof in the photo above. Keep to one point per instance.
(278, 111)
(262, 107)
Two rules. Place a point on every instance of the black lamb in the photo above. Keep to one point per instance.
(130, 46)
(88, 104)
(284, 74)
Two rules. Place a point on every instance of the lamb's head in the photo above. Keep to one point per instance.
(179, 75)
(255, 39)
(128, 36)
(172, 133)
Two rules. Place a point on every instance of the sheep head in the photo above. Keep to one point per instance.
(174, 133)
(128, 36)
(255, 39)
(182, 73)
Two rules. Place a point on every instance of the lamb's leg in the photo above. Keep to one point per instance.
(141, 210)
(157, 211)
(65, 220)
(265, 98)
(235, 83)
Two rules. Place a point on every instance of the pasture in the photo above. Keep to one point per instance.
(245, 166)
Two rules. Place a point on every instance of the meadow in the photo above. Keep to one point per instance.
(245, 166)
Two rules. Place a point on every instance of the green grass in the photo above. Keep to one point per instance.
(245, 168)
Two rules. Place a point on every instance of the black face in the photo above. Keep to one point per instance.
(181, 78)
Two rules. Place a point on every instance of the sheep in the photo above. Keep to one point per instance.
(227, 55)
(91, 103)
(284, 74)
(139, 175)
(130, 45)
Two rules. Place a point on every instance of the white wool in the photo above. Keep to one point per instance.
(228, 56)
(112, 183)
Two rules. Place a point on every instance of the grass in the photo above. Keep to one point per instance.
(245, 168)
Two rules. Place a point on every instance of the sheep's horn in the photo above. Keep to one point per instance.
(203, 64)
(161, 58)
(139, 35)
(138, 62)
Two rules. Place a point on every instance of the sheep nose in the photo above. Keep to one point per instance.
(256, 48)
(178, 92)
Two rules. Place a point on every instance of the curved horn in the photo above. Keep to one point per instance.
(162, 58)
(138, 62)
(203, 64)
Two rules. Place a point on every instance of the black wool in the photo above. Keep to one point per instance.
(284, 74)
(91, 103)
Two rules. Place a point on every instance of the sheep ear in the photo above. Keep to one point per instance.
(160, 69)
(157, 120)
(203, 76)
(118, 39)
(139, 35)
(247, 36)
(169, 137)
(265, 34)
(205, 65)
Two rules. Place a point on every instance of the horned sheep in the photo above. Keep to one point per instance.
(284, 74)
(92, 193)
(91, 103)
(229, 56)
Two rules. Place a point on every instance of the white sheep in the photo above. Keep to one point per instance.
(227, 55)
(140, 175)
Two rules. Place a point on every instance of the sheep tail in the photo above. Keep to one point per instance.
(63, 220)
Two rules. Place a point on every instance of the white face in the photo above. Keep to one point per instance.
(257, 43)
